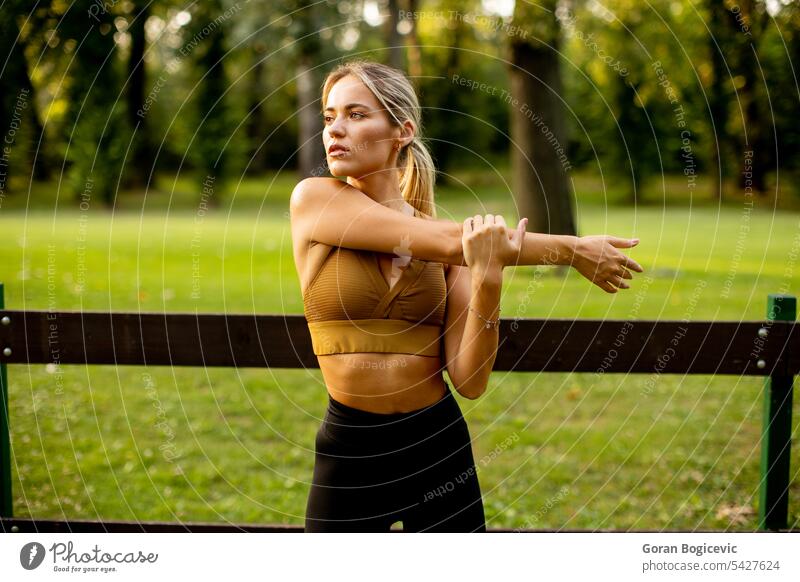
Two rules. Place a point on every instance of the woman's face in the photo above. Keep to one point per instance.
(358, 136)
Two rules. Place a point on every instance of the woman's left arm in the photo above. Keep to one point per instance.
(470, 346)
(473, 302)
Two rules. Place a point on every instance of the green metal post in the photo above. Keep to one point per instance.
(776, 433)
(6, 505)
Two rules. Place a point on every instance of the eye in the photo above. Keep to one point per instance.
(327, 119)
(359, 115)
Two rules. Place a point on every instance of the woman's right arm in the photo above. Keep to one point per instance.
(332, 212)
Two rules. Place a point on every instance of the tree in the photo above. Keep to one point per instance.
(412, 44)
(18, 107)
(96, 130)
(718, 42)
(141, 150)
(213, 123)
(393, 41)
(632, 157)
(537, 121)
(255, 121)
(311, 154)
(748, 18)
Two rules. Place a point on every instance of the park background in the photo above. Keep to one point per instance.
(149, 151)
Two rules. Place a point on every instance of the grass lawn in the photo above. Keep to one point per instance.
(230, 445)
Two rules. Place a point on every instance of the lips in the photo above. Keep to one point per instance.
(337, 150)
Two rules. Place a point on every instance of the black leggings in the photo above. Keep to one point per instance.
(373, 469)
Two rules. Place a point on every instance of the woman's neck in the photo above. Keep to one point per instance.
(383, 187)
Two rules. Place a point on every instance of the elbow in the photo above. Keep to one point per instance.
(471, 396)
(472, 389)
(471, 393)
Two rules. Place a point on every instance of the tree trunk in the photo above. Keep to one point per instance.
(393, 40)
(142, 153)
(213, 120)
(718, 43)
(256, 133)
(414, 57)
(539, 160)
(311, 152)
(754, 144)
(19, 105)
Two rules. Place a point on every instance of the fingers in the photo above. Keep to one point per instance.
(621, 272)
(478, 221)
(631, 264)
(518, 234)
(467, 224)
(613, 282)
(623, 242)
(606, 286)
(523, 224)
(500, 221)
(611, 267)
(619, 282)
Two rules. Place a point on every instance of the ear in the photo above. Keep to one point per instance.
(407, 132)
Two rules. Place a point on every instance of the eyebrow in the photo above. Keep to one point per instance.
(349, 106)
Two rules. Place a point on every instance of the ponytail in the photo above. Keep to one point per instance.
(417, 177)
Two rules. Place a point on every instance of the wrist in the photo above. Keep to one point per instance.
(567, 249)
(491, 321)
(487, 275)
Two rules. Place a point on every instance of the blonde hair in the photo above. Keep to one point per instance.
(396, 93)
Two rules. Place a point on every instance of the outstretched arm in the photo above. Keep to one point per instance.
(594, 257)
(540, 249)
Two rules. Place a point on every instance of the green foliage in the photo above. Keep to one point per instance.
(97, 154)
(623, 124)
(463, 126)
(212, 116)
(96, 132)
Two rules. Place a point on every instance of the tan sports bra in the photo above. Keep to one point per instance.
(350, 307)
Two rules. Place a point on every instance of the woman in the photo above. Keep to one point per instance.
(393, 296)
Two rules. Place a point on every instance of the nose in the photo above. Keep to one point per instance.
(336, 128)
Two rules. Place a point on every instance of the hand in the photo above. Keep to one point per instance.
(488, 243)
(597, 259)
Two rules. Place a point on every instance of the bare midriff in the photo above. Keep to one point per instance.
(384, 383)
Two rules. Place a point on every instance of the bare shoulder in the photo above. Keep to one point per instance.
(313, 190)
(309, 255)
